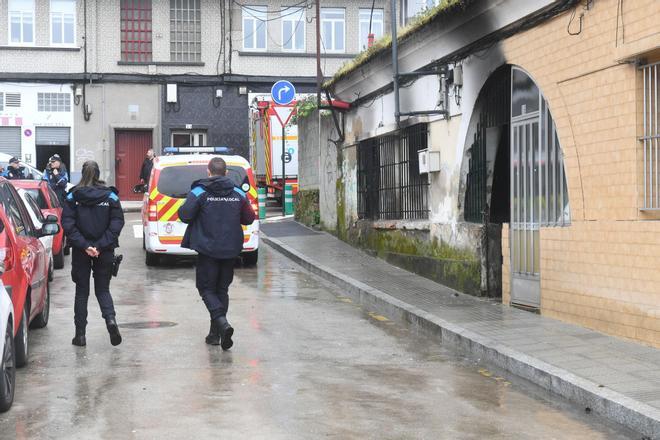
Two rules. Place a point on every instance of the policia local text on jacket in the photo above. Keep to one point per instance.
(215, 211)
(93, 219)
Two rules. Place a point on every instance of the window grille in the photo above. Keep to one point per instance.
(136, 31)
(53, 102)
(651, 137)
(389, 184)
(185, 31)
(12, 100)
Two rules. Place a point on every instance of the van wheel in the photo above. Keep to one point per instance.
(58, 259)
(7, 370)
(251, 258)
(21, 340)
(41, 320)
(151, 259)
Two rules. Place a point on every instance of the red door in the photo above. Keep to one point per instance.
(130, 150)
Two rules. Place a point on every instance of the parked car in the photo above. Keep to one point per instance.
(26, 266)
(49, 204)
(38, 220)
(7, 353)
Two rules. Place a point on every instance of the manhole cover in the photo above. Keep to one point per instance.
(147, 324)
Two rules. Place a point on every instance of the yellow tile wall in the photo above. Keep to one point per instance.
(603, 271)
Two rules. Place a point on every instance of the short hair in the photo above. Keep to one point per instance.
(217, 166)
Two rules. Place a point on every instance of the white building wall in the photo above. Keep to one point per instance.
(29, 118)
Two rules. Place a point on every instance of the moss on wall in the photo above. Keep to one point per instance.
(307, 207)
(415, 251)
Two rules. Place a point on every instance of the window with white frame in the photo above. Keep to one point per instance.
(188, 138)
(254, 27)
(185, 31)
(376, 21)
(333, 29)
(62, 22)
(293, 29)
(53, 102)
(21, 22)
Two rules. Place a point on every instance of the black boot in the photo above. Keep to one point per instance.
(79, 339)
(226, 332)
(113, 329)
(213, 338)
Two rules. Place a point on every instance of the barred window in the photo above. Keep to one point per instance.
(389, 184)
(185, 31)
(2, 101)
(53, 102)
(136, 31)
(651, 136)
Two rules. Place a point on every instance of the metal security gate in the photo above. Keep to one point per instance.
(539, 195)
(10, 141)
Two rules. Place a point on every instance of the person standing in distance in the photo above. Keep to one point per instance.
(214, 211)
(92, 220)
(147, 166)
(56, 176)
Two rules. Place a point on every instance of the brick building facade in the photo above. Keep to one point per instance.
(544, 118)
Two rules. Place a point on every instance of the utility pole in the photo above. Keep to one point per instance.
(319, 74)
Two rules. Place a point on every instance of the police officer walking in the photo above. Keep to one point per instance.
(56, 176)
(215, 210)
(92, 220)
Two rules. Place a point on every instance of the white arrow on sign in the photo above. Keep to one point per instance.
(284, 89)
(284, 114)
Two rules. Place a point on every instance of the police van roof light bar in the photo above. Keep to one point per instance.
(194, 150)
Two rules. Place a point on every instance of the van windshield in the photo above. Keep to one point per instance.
(175, 181)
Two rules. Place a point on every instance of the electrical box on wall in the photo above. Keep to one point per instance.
(429, 161)
(171, 93)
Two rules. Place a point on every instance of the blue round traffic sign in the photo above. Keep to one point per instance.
(283, 92)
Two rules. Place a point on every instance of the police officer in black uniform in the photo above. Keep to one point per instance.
(15, 171)
(215, 210)
(57, 176)
(92, 220)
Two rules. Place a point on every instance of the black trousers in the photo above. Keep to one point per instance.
(82, 265)
(213, 279)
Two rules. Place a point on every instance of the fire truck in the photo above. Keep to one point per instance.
(266, 146)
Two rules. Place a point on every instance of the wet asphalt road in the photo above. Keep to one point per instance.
(307, 363)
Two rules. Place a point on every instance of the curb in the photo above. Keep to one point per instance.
(607, 403)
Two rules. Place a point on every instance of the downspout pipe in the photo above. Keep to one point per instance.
(86, 115)
(395, 64)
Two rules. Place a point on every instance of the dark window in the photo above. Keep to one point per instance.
(136, 30)
(13, 211)
(175, 181)
(38, 196)
(389, 184)
(32, 204)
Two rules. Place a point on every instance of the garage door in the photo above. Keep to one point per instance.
(53, 136)
(10, 141)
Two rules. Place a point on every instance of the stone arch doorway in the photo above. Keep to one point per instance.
(515, 175)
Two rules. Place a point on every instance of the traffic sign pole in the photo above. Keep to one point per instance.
(283, 167)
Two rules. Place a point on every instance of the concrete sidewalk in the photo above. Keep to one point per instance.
(615, 378)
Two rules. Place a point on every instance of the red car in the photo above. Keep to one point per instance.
(49, 204)
(26, 266)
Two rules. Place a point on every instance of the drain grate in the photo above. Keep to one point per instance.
(147, 324)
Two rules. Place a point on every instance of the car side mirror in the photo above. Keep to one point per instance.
(51, 218)
(50, 229)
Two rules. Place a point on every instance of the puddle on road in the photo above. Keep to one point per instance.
(147, 324)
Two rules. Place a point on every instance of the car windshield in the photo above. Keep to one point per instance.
(175, 181)
(38, 196)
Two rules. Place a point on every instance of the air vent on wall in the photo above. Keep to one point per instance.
(12, 100)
